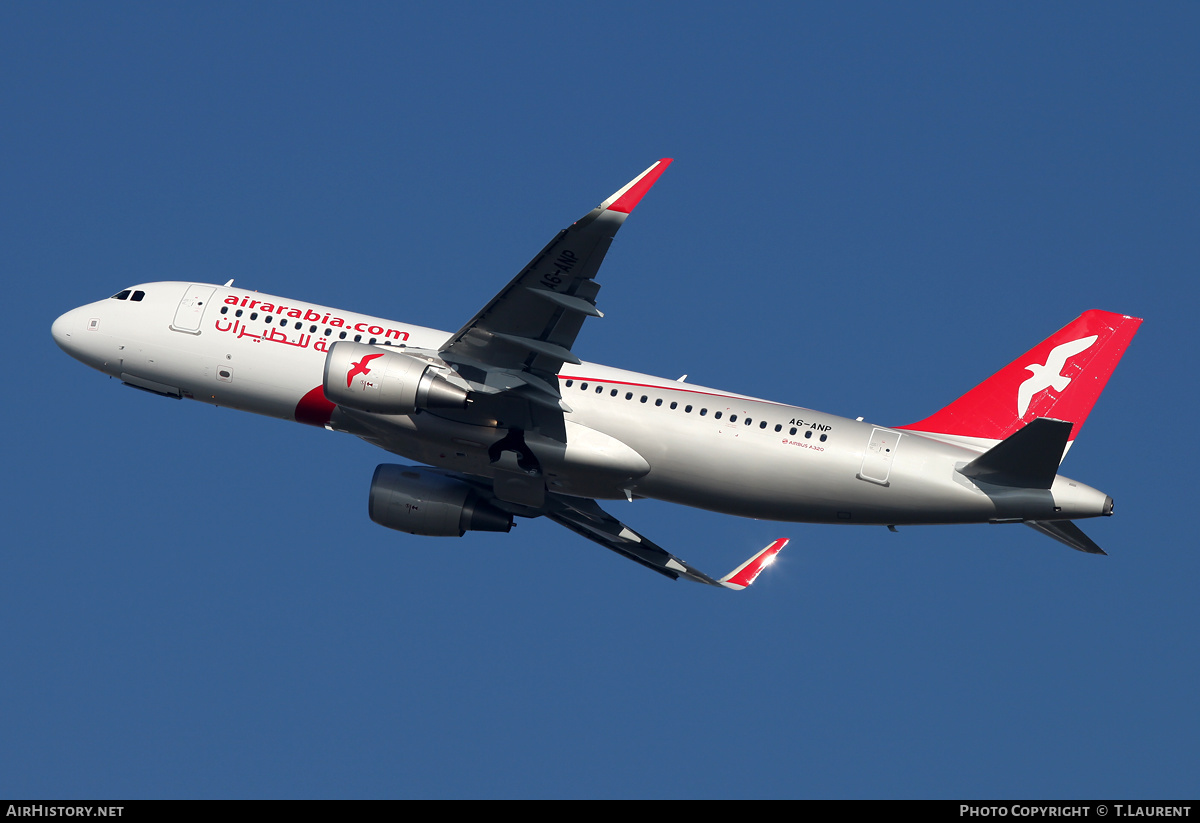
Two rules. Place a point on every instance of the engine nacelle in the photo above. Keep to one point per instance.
(418, 501)
(375, 380)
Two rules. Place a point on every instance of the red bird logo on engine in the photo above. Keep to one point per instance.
(360, 368)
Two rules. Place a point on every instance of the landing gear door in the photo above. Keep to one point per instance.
(877, 460)
(191, 309)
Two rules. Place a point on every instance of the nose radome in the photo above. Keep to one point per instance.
(69, 330)
(62, 330)
(77, 332)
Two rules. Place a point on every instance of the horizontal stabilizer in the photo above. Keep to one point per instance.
(1066, 532)
(1028, 459)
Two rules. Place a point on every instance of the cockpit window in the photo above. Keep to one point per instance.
(121, 295)
(137, 296)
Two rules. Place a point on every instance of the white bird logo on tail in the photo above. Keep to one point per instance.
(1050, 375)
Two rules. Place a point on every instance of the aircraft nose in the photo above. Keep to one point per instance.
(61, 331)
(68, 330)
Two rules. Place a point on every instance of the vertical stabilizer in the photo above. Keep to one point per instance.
(1059, 378)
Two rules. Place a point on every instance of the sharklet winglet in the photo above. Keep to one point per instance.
(628, 196)
(748, 572)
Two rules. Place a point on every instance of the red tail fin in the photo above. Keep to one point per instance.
(1061, 377)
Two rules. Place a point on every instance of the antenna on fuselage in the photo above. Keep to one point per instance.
(230, 283)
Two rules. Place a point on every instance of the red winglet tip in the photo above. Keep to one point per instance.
(632, 195)
(748, 572)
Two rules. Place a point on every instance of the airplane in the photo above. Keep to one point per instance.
(506, 421)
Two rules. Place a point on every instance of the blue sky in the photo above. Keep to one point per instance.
(872, 207)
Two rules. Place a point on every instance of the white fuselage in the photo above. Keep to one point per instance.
(628, 434)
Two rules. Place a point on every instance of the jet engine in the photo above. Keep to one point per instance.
(420, 501)
(375, 380)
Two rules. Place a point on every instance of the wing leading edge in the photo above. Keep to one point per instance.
(519, 341)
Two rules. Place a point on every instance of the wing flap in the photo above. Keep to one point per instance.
(568, 301)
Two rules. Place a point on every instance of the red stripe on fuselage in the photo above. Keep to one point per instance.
(599, 380)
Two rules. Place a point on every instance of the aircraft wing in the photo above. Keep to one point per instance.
(586, 518)
(520, 340)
